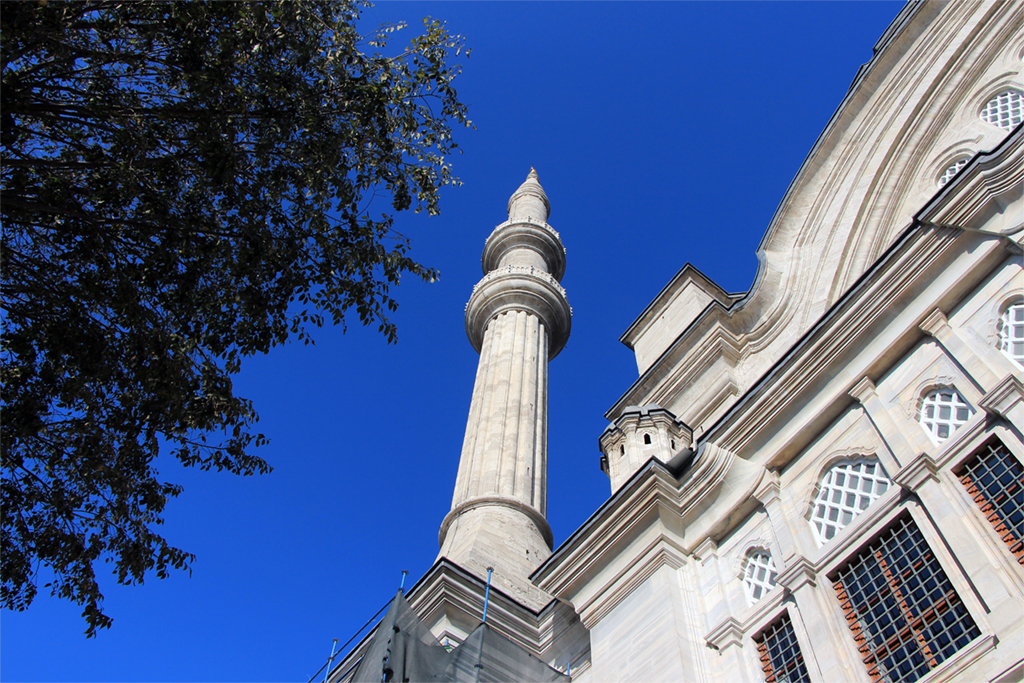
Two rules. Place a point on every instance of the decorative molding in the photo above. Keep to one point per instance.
(829, 461)
(733, 630)
(706, 550)
(662, 552)
(915, 473)
(966, 656)
(527, 233)
(799, 572)
(727, 633)
(911, 408)
(652, 497)
(519, 288)
(1004, 397)
(935, 324)
(863, 390)
(769, 488)
(759, 543)
(514, 504)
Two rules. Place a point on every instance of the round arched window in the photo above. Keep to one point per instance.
(846, 490)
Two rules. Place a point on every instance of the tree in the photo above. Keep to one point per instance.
(183, 185)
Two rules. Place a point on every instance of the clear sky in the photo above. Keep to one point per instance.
(663, 133)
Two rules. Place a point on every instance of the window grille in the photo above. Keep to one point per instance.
(1005, 110)
(780, 654)
(846, 491)
(942, 412)
(905, 616)
(1011, 332)
(953, 169)
(995, 479)
(759, 575)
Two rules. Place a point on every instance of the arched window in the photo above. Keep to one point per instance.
(846, 490)
(647, 438)
(1005, 110)
(942, 411)
(1011, 332)
(758, 575)
(952, 170)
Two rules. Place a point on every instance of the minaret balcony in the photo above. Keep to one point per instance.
(520, 288)
(525, 242)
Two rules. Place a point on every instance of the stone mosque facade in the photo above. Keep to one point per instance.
(819, 479)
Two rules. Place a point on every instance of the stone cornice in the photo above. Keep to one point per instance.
(622, 517)
(799, 572)
(447, 591)
(663, 551)
(935, 324)
(732, 630)
(1004, 397)
(762, 420)
(727, 633)
(862, 390)
(769, 488)
(842, 332)
(915, 473)
(987, 185)
(716, 342)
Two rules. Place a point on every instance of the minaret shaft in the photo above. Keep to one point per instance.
(518, 319)
(508, 415)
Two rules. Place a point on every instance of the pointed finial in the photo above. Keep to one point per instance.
(529, 201)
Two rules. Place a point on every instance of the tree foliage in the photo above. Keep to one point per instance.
(184, 184)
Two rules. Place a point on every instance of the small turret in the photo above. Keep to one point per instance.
(639, 434)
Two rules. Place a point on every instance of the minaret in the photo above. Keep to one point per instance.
(517, 319)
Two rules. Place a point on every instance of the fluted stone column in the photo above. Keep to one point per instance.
(518, 319)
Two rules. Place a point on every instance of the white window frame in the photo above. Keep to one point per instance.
(1011, 331)
(951, 170)
(759, 574)
(834, 494)
(929, 414)
(1004, 110)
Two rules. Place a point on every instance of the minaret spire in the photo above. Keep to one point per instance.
(518, 319)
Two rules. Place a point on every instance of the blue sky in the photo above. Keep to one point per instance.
(663, 133)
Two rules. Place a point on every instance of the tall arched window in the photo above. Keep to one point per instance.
(1011, 332)
(847, 489)
(758, 575)
(942, 411)
(1005, 110)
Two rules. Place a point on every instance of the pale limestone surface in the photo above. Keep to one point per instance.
(912, 111)
(875, 288)
(518, 318)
